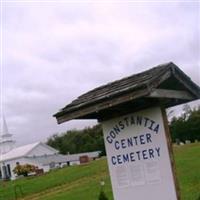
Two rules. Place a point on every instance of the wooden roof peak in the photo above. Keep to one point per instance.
(165, 76)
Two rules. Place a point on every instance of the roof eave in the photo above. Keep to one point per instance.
(88, 109)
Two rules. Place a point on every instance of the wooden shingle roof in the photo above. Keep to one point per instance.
(165, 82)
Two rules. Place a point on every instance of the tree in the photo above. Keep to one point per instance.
(187, 126)
(78, 141)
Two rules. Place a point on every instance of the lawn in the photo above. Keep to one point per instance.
(83, 182)
(188, 170)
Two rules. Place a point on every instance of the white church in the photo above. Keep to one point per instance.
(38, 154)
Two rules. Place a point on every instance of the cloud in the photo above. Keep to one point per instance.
(55, 52)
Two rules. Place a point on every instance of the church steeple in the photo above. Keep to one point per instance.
(6, 141)
(5, 131)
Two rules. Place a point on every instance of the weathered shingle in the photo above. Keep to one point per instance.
(142, 83)
(119, 86)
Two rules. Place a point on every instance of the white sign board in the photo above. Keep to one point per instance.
(138, 157)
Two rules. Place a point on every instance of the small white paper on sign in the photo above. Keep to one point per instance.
(152, 172)
(122, 176)
(137, 175)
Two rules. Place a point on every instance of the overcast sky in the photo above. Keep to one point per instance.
(54, 52)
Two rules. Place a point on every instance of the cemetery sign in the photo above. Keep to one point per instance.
(136, 133)
(138, 156)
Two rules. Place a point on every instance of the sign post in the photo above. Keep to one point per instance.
(170, 148)
(138, 155)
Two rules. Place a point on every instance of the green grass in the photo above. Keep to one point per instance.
(188, 170)
(61, 182)
(83, 182)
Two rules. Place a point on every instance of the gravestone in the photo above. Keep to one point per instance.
(178, 141)
(187, 142)
(84, 159)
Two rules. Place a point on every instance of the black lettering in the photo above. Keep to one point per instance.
(130, 142)
(151, 153)
(156, 129)
(125, 158)
(139, 120)
(121, 125)
(135, 138)
(132, 157)
(146, 120)
(142, 139)
(148, 137)
(119, 159)
(132, 120)
(112, 134)
(116, 129)
(158, 151)
(109, 139)
(144, 154)
(117, 146)
(138, 154)
(151, 125)
(126, 120)
(113, 160)
(123, 143)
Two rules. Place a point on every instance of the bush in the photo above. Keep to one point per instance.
(24, 169)
(102, 196)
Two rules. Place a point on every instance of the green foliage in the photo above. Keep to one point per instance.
(24, 169)
(102, 196)
(187, 126)
(78, 141)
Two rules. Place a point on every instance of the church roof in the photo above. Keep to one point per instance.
(22, 151)
(47, 159)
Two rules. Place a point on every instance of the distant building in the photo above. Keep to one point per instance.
(74, 159)
(31, 154)
(38, 154)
